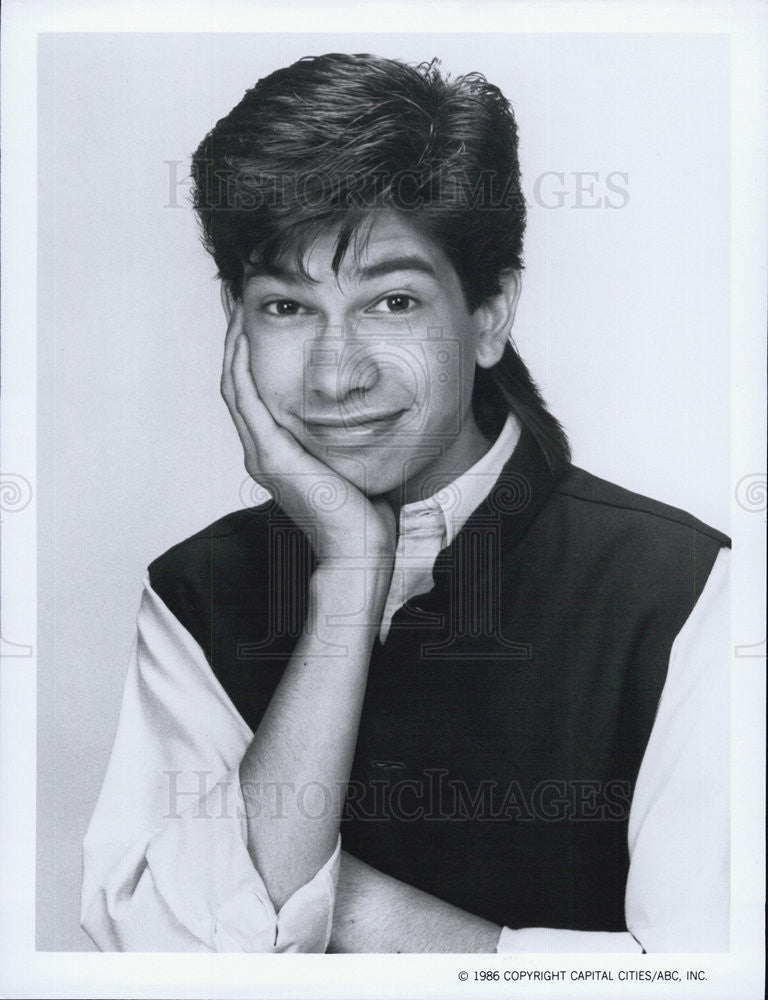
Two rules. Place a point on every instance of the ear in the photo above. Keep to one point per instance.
(494, 319)
(227, 300)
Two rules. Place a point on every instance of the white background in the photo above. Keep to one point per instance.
(626, 321)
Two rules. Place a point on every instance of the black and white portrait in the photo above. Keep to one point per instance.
(390, 494)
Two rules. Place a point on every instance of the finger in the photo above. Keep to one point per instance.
(235, 328)
(248, 402)
(239, 393)
(250, 450)
(246, 439)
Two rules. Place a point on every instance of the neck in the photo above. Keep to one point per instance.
(461, 454)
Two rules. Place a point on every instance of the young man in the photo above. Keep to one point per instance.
(445, 691)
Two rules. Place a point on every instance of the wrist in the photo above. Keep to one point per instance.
(374, 561)
(352, 586)
(356, 549)
(363, 574)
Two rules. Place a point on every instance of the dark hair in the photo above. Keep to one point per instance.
(325, 143)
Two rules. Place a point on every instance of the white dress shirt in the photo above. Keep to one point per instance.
(166, 866)
(427, 526)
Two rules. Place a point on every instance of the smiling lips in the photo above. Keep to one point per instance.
(354, 422)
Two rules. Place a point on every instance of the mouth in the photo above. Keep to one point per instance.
(354, 423)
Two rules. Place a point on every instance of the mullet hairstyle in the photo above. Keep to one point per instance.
(328, 142)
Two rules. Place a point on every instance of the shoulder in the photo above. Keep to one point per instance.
(218, 564)
(239, 531)
(626, 543)
(610, 507)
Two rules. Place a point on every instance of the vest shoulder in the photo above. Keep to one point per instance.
(611, 502)
(237, 536)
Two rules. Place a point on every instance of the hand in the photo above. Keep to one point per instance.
(347, 527)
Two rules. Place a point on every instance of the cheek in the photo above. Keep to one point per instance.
(270, 373)
(451, 373)
(448, 403)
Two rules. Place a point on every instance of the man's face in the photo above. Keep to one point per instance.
(371, 369)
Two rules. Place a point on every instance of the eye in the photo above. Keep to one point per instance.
(396, 303)
(283, 307)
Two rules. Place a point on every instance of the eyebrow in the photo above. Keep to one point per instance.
(409, 262)
(378, 269)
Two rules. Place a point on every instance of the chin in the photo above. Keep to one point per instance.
(369, 473)
(372, 479)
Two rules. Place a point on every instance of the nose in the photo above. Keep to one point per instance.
(338, 368)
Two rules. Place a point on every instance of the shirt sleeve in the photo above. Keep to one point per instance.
(166, 864)
(678, 890)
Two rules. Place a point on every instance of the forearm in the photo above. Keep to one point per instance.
(295, 771)
(377, 913)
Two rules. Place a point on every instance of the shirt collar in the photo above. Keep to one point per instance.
(460, 498)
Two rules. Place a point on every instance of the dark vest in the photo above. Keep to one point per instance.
(507, 714)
